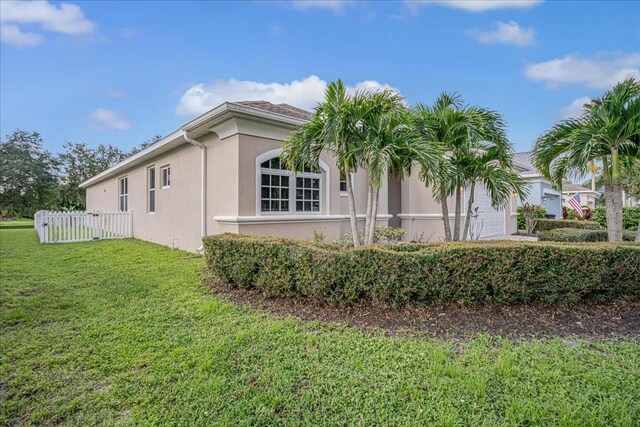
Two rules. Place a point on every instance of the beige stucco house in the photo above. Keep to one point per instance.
(220, 173)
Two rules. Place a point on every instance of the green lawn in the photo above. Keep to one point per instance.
(125, 332)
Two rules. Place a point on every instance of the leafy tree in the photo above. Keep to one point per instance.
(608, 131)
(27, 174)
(144, 145)
(80, 162)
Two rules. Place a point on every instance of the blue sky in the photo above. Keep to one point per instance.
(121, 72)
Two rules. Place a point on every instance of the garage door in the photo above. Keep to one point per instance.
(490, 220)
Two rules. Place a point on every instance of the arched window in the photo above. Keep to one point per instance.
(283, 191)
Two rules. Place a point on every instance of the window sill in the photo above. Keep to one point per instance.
(344, 194)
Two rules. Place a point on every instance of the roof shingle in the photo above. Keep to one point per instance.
(284, 109)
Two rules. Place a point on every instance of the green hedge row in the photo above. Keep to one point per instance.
(426, 273)
(578, 235)
(630, 217)
(551, 224)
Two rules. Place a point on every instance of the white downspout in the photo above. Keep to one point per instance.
(203, 185)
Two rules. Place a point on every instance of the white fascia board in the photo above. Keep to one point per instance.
(242, 110)
(170, 141)
(220, 113)
(550, 191)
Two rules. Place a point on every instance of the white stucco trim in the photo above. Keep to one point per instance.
(550, 191)
(283, 219)
(423, 216)
(325, 187)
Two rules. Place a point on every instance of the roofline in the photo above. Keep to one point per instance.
(204, 119)
(138, 156)
(581, 191)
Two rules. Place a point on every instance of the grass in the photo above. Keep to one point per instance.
(18, 223)
(126, 333)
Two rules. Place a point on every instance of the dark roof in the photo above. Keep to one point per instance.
(284, 109)
(525, 160)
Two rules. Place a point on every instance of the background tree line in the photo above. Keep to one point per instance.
(33, 178)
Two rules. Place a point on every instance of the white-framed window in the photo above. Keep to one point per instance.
(165, 176)
(343, 183)
(151, 185)
(123, 194)
(282, 191)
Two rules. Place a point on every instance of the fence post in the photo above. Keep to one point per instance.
(96, 224)
(130, 231)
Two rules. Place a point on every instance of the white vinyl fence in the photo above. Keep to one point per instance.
(65, 227)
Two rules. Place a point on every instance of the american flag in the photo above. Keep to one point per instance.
(574, 202)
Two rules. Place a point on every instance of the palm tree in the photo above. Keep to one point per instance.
(477, 149)
(491, 166)
(390, 146)
(334, 128)
(608, 131)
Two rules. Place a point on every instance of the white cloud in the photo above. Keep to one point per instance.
(66, 18)
(574, 109)
(128, 33)
(104, 117)
(474, 6)
(505, 33)
(305, 93)
(13, 35)
(336, 6)
(600, 71)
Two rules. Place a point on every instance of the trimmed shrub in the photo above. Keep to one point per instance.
(630, 217)
(479, 272)
(580, 235)
(551, 224)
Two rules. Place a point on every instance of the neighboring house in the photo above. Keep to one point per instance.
(541, 191)
(221, 173)
(587, 197)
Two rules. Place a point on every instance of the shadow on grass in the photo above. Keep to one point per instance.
(16, 226)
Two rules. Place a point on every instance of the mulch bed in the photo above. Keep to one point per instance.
(608, 321)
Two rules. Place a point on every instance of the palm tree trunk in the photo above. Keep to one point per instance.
(374, 217)
(456, 225)
(352, 208)
(614, 220)
(445, 213)
(367, 220)
(638, 233)
(467, 220)
(617, 211)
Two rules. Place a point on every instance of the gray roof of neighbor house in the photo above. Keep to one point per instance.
(285, 109)
(525, 160)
